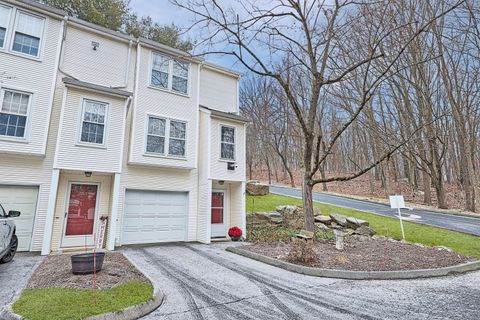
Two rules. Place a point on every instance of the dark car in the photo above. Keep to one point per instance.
(8, 239)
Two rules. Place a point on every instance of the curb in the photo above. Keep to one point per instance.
(359, 275)
(130, 313)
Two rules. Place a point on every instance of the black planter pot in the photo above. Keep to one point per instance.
(83, 263)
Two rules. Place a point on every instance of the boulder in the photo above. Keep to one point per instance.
(274, 217)
(321, 226)
(317, 211)
(323, 219)
(257, 189)
(339, 219)
(365, 231)
(286, 210)
(355, 223)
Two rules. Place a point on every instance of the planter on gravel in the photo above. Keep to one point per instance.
(86, 263)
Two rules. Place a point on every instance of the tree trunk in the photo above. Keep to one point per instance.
(307, 197)
(427, 194)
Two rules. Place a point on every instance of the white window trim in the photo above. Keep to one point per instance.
(26, 133)
(9, 26)
(165, 153)
(10, 34)
(234, 144)
(170, 75)
(82, 116)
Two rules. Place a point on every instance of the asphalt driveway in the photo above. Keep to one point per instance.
(14, 276)
(206, 282)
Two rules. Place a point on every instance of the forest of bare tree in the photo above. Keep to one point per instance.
(361, 97)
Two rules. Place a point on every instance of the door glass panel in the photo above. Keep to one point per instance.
(81, 209)
(217, 207)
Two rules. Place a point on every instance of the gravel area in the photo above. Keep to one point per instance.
(372, 255)
(55, 272)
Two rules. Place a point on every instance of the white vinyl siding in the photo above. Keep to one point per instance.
(227, 143)
(166, 137)
(94, 117)
(4, 20)
(218, 91)
(27, 34)
(13, 113)
(169, 74)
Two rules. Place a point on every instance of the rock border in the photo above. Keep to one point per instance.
(130, 313)
(358, 275)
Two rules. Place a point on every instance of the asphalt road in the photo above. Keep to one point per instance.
(206, 282)
(465, 224)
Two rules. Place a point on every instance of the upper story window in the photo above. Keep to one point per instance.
(13, 113)
(169, 74)
(28, 31)
(4, 20)
(94, 118)
(165, 134)
(227, 144)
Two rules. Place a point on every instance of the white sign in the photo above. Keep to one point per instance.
(397, 202)
(101, 234)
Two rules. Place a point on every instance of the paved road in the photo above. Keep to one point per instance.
(206, 282)
(453, 222)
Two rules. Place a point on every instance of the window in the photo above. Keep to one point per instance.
(156, 135)
(227, 148)
(27, 34)
(93, 121)
(4, 19)
(166, 135)
(176, 145)
(169, 74)
(13, 113)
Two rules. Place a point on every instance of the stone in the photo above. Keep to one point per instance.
(440, 248)
(334, 225)
(339, 219)
(339, 237)
(355, 223)
(254, 188)
(317, 211)
(365, 231)
(321, 226)
(286, 210)
(323, 219)
(349, 232)
(274, 217)
(306, 235)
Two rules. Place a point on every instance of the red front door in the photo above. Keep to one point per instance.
(81, 209)
(218, 227)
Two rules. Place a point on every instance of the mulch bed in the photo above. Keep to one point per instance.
(55, 272)
(371, 255)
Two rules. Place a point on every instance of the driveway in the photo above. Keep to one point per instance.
(206, 282)
(464, 224)
(15, 275)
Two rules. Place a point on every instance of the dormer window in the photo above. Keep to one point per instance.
(169, 74)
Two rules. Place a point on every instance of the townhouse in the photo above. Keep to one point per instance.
(108, 140)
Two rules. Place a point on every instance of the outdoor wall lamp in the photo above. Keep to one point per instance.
(221, 182)
(88, 174)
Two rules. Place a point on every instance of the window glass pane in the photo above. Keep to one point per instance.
(179, 84)
(12, 125)
(155, 144)
(160, 63)
(4, 17)
(95, 112)
(156, 126)
(176, 147)
(180, 69)
(29, 24)
(177, 129)
(228, 134)
(92, 132)
(228, 151)
(15, 102)
(2, 36)
(26, 44)
(159, 79)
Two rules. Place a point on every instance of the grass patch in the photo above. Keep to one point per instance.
(63, 303)
(465, 244)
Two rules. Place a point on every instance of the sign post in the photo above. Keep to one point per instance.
(398, 202)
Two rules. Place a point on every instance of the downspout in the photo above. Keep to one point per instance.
(127, 70)
(60, 66)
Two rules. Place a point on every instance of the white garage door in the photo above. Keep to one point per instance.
(23, 199)
(154, 216)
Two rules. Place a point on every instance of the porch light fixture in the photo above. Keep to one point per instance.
(221, 182)
(88, 174)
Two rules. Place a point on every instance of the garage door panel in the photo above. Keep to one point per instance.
(23, 199)
(154, 216)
